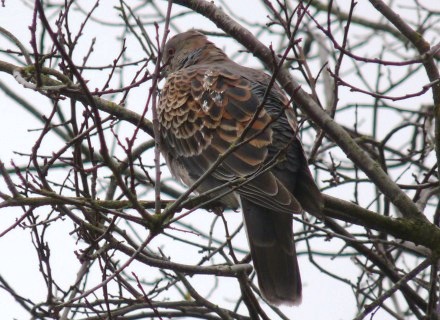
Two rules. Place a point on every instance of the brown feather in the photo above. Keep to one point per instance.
(207, 105)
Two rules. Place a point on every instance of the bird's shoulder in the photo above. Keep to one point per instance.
(213, 86)
(226, 94)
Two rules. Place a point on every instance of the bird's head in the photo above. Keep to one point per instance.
(187, 49)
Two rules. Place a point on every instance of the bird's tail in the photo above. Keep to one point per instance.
(270, 237)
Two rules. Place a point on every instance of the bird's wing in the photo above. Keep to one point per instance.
(204, 110)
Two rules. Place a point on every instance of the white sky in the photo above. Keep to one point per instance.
(324, 298)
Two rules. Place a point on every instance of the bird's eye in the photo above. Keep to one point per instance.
(171, 51)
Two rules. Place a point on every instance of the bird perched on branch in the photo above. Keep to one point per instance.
(233, 124)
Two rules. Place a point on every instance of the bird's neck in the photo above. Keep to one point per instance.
(211, 54)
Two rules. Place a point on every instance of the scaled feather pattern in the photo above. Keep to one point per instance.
(211, 107)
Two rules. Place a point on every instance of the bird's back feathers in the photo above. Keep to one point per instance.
(211, 107)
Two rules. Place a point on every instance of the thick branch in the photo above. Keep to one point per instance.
(423, 47)
(417, 231)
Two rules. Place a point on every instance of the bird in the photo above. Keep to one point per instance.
(212, 110)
